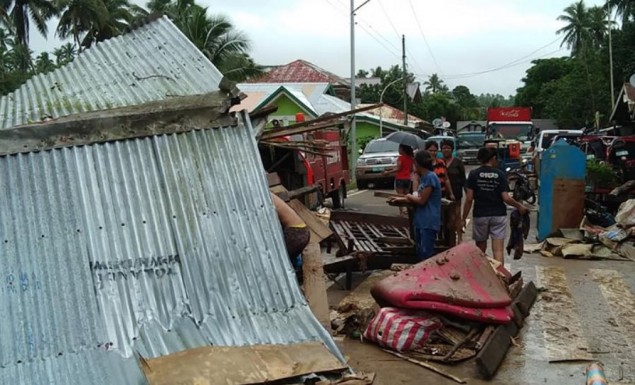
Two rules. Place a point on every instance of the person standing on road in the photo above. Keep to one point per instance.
(402, 172)
(456, 175)
(440, 169)
(427, 202)
(487, 188)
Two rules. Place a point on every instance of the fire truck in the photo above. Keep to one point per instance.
(327, 172)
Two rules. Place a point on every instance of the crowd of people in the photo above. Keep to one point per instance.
(432, 178)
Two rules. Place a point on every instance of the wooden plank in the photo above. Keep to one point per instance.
(173, 115)
(564, 336)
(382, 194)
(491, 356)
(314, 124)
(319, 231)
(369, 218)
(395, 240)
(240, 365)
(620, 300)
(526, 298)
(273, 179)
(315, 283)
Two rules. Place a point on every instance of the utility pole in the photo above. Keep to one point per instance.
(609, 11)
(405, 81)
(353, 101)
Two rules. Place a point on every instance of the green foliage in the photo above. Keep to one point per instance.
(600, 174)
(363, 141)
(571, 90)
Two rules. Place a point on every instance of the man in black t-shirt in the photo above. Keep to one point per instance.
(487, 188)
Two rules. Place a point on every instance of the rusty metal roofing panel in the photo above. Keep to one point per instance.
(151, 63)
(148, 246)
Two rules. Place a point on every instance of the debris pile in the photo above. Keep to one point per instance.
(615, 242)
(445, 309)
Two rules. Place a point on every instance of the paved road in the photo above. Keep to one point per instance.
(586, 311)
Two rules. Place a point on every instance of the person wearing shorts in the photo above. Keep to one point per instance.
(402, 173)
(488, 191)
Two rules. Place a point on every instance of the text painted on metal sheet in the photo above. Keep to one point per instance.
(153, 267)
(21, 282)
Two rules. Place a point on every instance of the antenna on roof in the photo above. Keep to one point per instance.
(632, 80)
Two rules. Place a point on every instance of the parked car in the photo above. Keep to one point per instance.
(378, 155)
(468, 145)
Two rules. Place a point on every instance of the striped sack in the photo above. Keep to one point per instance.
(401, 329)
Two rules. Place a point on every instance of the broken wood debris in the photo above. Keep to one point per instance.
(427, 366)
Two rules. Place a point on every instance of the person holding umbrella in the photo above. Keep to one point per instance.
(402, 171)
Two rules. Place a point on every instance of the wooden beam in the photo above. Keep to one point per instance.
(313, 125)
(273, 179)
(315, 283)
(175, 115)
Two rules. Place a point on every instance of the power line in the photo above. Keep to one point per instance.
(345, 13)
(503, 67)
(434, 59)
(389, 19)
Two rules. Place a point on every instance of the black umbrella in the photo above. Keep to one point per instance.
(406, 138)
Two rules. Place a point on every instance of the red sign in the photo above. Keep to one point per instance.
(509, 114)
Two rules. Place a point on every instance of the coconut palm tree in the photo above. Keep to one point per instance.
(78, 17)
(623, 8)
(44, 64)
(22, 12)
(434, 84)
(598, 26)
(117, 17)
(65, 54)
(576, 30)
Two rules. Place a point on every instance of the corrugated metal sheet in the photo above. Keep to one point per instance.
(154, 62)
(152, 245)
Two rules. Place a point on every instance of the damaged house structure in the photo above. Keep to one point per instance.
(132, 228)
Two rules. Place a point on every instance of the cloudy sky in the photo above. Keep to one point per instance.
(486, 45)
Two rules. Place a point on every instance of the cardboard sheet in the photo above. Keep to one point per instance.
(216, 365)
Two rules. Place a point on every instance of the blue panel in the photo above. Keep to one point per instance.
(560, 161)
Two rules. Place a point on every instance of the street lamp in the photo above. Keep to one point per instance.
(353, 102)
(381, 108)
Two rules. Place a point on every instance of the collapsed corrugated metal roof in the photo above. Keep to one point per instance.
(134, 246)
(154, 62)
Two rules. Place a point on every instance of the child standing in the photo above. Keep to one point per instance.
(427, 202)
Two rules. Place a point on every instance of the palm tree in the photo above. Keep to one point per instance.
(6, 38)
(624, 8)
(22, 12)
(44, 64)
(576, 30)
(598, 26)
(118, 16)
(78, 17)
(434, 84)
(64, 54)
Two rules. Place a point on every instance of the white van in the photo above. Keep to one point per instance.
(545, 139)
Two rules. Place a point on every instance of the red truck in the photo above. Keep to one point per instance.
(298, 169)
(511, 123)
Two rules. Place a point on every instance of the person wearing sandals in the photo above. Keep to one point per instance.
(402, 172)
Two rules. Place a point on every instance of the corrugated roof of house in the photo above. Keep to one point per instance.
(152, 63)
(300, 71)
(135, 246)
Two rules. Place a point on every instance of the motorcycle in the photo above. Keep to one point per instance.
(520, 185)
